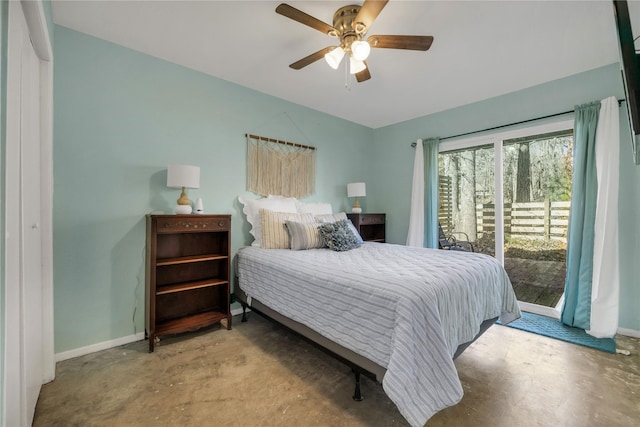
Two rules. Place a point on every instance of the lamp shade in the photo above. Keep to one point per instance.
(356, 66)
(360, 50)
(356, 189)
(179, 176)
(334, 57)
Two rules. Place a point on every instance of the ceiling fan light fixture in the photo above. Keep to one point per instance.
(334, 57)
(360, 50)
(350, 26)
(356, 66)
(359, 27)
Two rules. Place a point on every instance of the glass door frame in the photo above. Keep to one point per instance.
(496, 139)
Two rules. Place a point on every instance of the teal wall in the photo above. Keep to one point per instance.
(120, 117)
(4, 19)
(393, 158)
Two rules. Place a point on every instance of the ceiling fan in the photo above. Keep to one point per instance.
(350, 26)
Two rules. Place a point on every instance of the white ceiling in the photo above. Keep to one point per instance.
(481, 49)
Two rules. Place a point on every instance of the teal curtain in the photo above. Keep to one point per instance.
(431, 192)
(577, 289)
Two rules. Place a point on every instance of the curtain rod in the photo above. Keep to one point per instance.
(278, 141)
(413, 144)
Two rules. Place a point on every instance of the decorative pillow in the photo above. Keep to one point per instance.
(304, 235)
(355, 232)
(274, 232)
(338, 235)
(314, 208)
(252, 210)
(338, 217)
(331, 217)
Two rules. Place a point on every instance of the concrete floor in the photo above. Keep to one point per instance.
(258, 374)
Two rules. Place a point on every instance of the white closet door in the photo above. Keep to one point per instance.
(23, 284)
(31, 235)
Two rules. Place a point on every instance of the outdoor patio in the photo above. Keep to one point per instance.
(536, 282)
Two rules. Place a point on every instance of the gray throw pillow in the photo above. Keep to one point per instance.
(338, 235)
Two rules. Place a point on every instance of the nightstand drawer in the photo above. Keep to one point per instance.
(191, 223)
(367, 219)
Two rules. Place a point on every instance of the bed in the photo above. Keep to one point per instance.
(396, 313)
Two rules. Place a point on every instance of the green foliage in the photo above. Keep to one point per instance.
(547, 172)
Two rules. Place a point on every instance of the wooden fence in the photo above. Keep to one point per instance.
(534, 220)
(445, 209)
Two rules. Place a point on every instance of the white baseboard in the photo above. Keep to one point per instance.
(76, 352)
(629, 332)
(236, 311)
(140, 336)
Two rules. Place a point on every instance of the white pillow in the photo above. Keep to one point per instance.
(324, 218)
(274, 231)
(252, 210)
(314, 208)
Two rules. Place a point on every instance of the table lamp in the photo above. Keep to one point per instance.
(183, 176)
(356, 189)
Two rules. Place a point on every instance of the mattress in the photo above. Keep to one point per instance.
(406, 309)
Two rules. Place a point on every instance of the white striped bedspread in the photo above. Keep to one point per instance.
(405, 308)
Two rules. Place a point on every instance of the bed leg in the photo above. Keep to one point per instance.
(357, 396)
(244, 312)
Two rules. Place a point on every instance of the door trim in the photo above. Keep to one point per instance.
(38, 32)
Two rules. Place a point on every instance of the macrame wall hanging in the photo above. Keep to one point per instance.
(280, 167)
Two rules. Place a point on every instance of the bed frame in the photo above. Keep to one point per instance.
(358, 364)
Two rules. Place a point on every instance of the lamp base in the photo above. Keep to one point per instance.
(183, 209)
(356, 210)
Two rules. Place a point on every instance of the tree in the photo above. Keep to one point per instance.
(460, 168)
(523, 178)
(510, 156)
(467, 221)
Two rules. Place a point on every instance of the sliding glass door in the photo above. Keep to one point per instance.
(466, 181)
(508, 194)
(537, 197)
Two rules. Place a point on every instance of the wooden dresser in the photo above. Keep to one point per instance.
(371, 226)
(187, 273)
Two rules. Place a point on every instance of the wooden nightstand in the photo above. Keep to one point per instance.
(187, 284)
(371, 226)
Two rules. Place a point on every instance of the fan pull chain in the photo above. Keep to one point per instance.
(346, 76)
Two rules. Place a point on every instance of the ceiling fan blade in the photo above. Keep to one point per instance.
(401, 42)
(363, 75)
(298, 15)
(311, 58)
(368, 13)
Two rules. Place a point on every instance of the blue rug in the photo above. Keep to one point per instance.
(553, 328)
